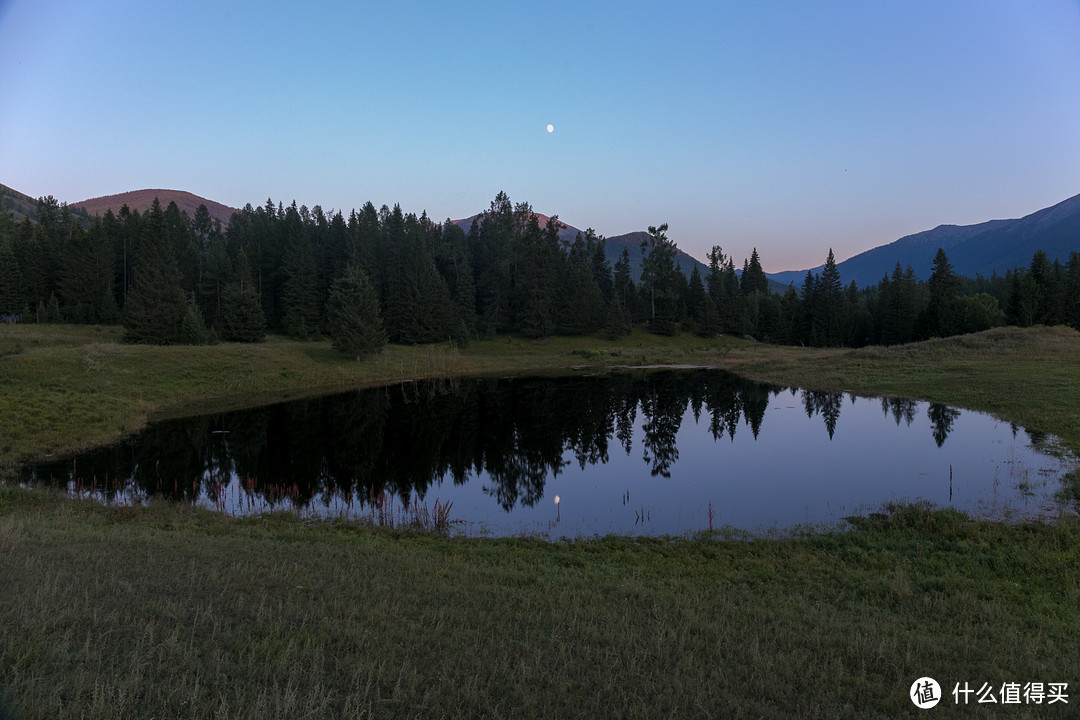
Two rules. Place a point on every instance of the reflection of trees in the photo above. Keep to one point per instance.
(827, 404)
(941, 420)
(407, 438)
(755, 401)
(663, 408)
(625, 415)
(355, 435)
(724, 406)
(900, 408)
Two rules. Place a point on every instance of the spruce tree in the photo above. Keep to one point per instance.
(830, 305)
(696, 305)
(1072, 291)
(86, 276)
(353, 319)
(156, 304)
(301, 292)
(939, 317)
(624, 288)
(536, 292)
(193, 328)
(12, 299)
(753, 277)
(659, 282)
(242, 317)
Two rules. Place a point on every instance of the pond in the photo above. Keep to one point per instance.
(637, 452)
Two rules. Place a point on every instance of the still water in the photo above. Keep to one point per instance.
(652, 453)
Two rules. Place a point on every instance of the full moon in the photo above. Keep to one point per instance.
(551, 128)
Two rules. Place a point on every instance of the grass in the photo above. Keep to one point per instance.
(166, 611)
(71, 387)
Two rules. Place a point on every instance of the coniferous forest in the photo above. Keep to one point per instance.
(380, 275)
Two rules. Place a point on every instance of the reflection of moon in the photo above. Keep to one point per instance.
(551, 128)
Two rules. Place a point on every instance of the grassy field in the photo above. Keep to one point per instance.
(168, 612)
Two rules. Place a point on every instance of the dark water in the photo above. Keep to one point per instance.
(662, 452)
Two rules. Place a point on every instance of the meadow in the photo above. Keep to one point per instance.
(166, 611)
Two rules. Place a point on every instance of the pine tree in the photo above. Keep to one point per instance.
(242, 318)
(830, 303)
(1049, 290)
(581, 302)
(939, 316)
(539, 263)
(156, 304)
(1072, 291)
(86, 276)
(215, 271)
(696, 304)
(659, 282)
(493, 243)
(193, 328)
(418, 304)
(12, 299)
(753, 277)
(353, 319)
(624, 288)
(1022, 299)
(302, 300)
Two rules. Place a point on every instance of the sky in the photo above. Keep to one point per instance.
(791, 127)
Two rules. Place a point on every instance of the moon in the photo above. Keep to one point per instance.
(551, 128)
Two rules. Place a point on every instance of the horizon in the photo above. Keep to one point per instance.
(787, 128)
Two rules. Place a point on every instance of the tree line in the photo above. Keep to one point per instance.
(385, 275)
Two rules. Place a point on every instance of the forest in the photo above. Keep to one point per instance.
(383, 275)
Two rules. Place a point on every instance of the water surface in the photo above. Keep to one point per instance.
(661, 452)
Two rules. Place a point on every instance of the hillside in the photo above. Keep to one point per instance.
(141, 200)
(983, 249)
(18, 204)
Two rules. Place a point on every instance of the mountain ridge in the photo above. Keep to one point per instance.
(993, 246)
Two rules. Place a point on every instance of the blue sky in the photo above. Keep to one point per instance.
(792, 127)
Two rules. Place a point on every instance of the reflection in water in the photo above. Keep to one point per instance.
(348, 454)
(942, 418)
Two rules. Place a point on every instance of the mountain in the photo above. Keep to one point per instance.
(19, 205)
(141, 200)
(982, 249)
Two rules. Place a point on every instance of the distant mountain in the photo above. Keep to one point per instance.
(142, 200)
(613, 246)
(566, 234)
(985, 248)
